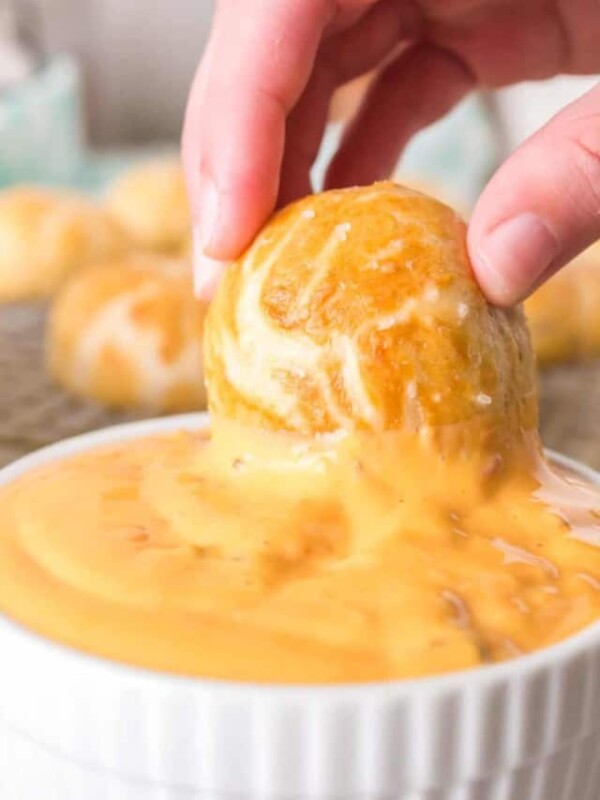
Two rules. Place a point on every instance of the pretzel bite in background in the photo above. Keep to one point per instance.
(564, 313)
(128, 333)
(151, 203)
(45, 235)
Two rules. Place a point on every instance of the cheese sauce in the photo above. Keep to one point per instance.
(258, 556)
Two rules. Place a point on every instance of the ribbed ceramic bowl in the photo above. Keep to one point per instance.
(74, 727)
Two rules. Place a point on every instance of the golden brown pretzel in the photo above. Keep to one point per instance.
(129, 333)
(358, 309)
(45, 235)
(150, 201)
(564, 313)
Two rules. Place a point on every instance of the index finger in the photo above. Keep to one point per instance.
(258, 61)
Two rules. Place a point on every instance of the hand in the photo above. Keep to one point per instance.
(259, 105)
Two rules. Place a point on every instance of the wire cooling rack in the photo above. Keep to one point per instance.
(34, 412)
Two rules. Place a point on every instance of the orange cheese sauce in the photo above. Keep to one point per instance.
(260, 557)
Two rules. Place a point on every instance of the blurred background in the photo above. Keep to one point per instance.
(84, 82)
(112, 75)
(89, 87)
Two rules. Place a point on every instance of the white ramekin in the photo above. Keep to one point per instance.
(75, 727)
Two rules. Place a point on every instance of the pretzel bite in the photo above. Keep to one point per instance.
(150, 201)
(564, 313)
(358, 310)
(46, 235)
(128, 333)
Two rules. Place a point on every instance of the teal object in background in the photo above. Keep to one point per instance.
(456, 155)
(40, 126)
(42, 139)
(459, 153)
(98, 169)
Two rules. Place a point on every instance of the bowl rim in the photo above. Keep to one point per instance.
(573, 647)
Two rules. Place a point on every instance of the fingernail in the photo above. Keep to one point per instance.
(208, 212)
(514, 255)
(207, 271)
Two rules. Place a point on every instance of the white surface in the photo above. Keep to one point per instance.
(138, 59)
(75, 727)
(15, 62)
(526, 107)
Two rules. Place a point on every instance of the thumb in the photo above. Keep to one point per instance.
(542, 207)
